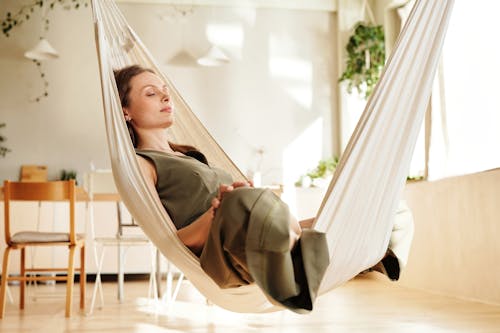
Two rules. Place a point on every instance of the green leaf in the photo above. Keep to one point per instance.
(357, 72)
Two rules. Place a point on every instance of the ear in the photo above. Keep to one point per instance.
(126, 114)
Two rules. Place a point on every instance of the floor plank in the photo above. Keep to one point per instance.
(367, 303)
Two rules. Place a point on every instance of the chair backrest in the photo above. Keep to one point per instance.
(101, 186)
(40, 191)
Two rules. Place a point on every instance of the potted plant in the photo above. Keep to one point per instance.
(365, 58)
(310, 189)
(320, 174)
(68, 175)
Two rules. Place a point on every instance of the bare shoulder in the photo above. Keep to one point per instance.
(148, 169)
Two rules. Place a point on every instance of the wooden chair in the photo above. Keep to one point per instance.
(42, 191)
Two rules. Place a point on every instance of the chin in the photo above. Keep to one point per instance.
(169, 123)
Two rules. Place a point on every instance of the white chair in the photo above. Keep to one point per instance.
(101, 187)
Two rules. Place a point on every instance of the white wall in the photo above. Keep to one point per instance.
(64, 130)
(251, 103)
(455, 249)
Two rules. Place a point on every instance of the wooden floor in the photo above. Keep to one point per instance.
(366, 304)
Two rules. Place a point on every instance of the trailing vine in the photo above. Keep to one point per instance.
(24, 14)
(365, 58)
(43, 77)
(16, 19)
(3, 150)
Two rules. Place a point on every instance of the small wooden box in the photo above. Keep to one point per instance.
(33, 173)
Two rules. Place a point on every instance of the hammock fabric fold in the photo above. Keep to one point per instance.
(358, 210)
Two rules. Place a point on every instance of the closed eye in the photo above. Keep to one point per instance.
(155, 91)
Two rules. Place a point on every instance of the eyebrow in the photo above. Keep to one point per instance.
(152, 85)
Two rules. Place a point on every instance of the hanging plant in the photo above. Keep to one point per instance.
(365, 58)
(41, 72)
(25, 12)
(12, 20)
(3, 150)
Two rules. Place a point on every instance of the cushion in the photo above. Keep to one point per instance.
(41, 237)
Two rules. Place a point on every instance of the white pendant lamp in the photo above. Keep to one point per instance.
(214, 57)
(182, 58)
(42, 51)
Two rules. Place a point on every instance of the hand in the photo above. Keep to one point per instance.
(224, 188)
(243, 184)
(215, 204)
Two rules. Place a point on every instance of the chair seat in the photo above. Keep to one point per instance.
(41, 237)
(129, 240)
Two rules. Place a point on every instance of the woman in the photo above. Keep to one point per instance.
(241, 234)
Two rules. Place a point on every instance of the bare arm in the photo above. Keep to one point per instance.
(195, 235)
(307, 223)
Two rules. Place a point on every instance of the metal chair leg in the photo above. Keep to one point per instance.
(98, 283)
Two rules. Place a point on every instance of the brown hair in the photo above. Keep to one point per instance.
(123, 77)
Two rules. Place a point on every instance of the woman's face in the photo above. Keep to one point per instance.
(149, 103)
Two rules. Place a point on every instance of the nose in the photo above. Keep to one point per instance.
(165, 97)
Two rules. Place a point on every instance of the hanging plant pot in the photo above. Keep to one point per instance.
(365, 58)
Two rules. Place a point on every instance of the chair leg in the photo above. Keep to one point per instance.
(152, 288)
(70, 280)
(97, 283)
(22, 284)
(5, 277)
(83, 278)
(9, 295)
(121, 274)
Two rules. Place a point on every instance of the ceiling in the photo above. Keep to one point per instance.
(323, 5)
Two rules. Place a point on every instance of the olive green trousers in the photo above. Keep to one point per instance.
(249, 243)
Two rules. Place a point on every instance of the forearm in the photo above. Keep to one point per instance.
(307, 223)
(195, 235)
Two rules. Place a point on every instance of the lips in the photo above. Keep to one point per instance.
(167, 109)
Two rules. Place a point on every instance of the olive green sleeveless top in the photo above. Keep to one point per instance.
(185, 185)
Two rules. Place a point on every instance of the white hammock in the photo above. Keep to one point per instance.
(359, 208)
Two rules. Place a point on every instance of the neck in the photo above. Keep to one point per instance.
(156, 140)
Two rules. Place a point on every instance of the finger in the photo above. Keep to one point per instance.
(239, 184)
(226, 190)
(222, 189)
(215, 203)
